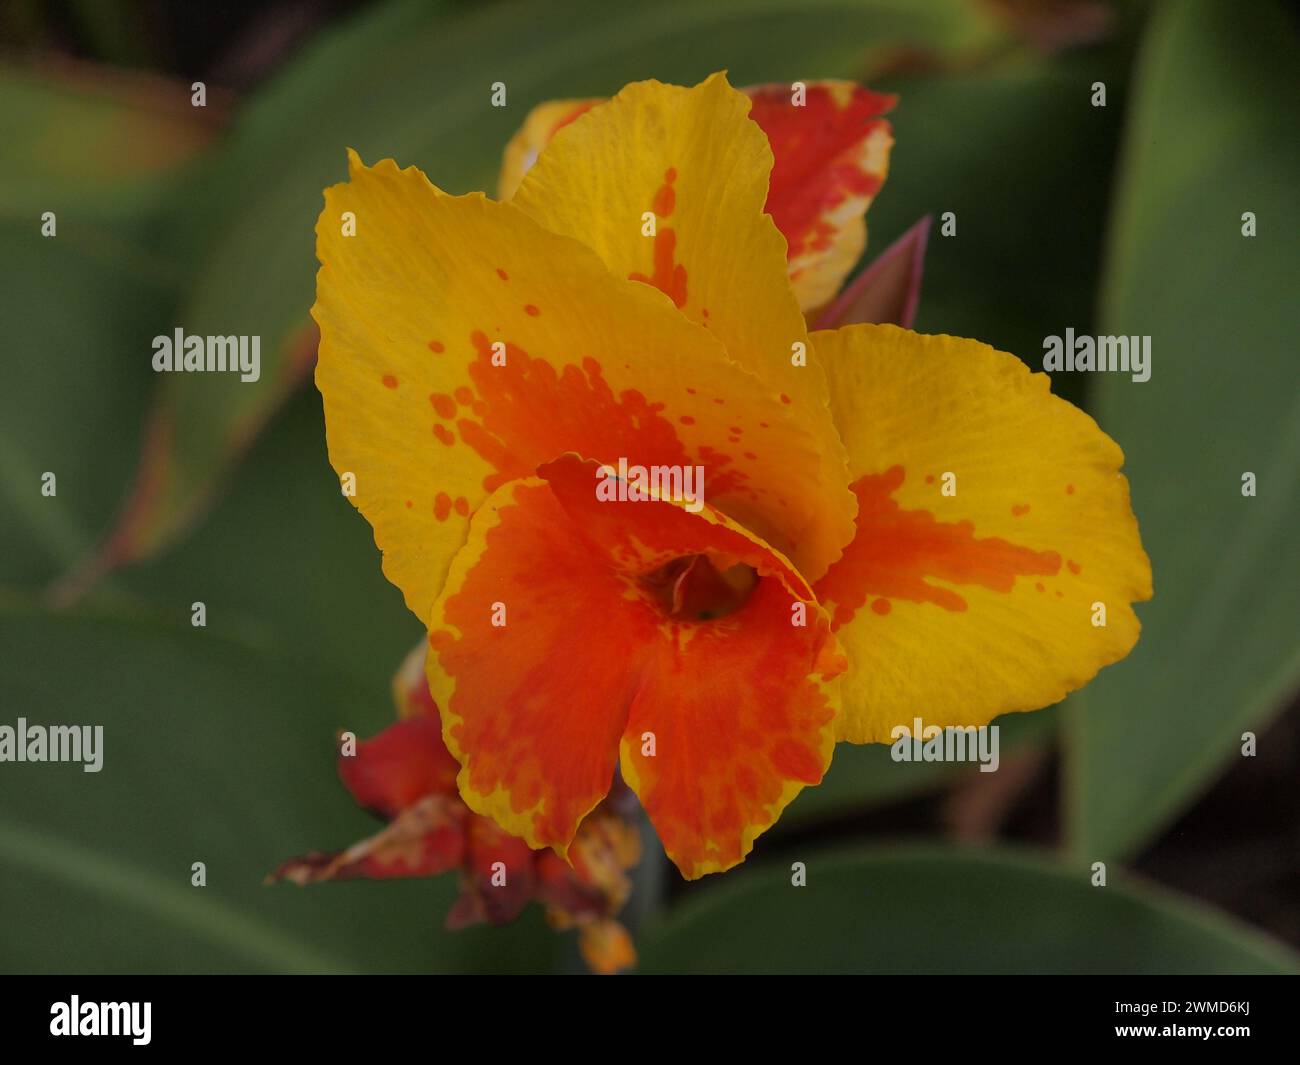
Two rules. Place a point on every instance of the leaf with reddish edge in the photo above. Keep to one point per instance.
(182, 464)
(889, 290)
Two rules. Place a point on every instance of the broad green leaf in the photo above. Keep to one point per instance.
(414, 82)
(77, 381)
(212, 752)
(862, 776)
(1213, 134)
(283, 562)
(99, 150)
(91, 143)
(916, 909)
(1028, 203)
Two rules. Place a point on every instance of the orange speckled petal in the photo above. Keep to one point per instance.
(462, 344)
(689, 164)
(583, 659)
(993, 517)
(832, 155)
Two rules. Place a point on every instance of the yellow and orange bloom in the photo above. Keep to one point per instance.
(641, 296)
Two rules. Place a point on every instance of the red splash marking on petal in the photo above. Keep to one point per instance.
(686, 419)
(1019, 510)
(441, 506)
(390, 381)
(462, 506)
(1069, 489)
(444, 406)
(444, 435)
(437, 347)
(531, 413)
(816, 162)
(464, 396)
(1038, 586)
(576, 113)
(1060, 594)
(1075, 568)
(409, 504)
(881, 606)
(896, 552)
(668, 276)
(502, 274)
(531, 310)
(929, 478)
(785, 398)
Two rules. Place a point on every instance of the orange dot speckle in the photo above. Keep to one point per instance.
(1069, 489)
(442, 506)
(686, 419)
(444, 435)
(1074, 566)
(462, 506)
(531, 310)
(437, 347)
(502, 274)
(929, 478)
(464, 396)
(751, 456)
(690, 391)
(1060, 594)
(1039, 586)
(444, 405)
(1020, 510)
(390, 381)
(719, 401)
(881, 606)
(785, 398)
(409, 504)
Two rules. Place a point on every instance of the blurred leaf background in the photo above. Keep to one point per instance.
(1124, 219)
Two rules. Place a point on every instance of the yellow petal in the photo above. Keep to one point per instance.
(831, 150)
(543, 122)
(462, 345)
(669, 186)
(955, 608)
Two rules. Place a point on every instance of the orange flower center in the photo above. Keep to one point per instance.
(701, 587)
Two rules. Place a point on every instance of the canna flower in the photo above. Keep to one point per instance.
(406, 776)
(893, 525)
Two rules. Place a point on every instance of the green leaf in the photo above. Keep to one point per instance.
(864, 776)
(985, 145)
(1213, 133)
(213, 753)
(94, 143)
(938, 910)
(415, 84)
(100, 150)
(77, 380)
